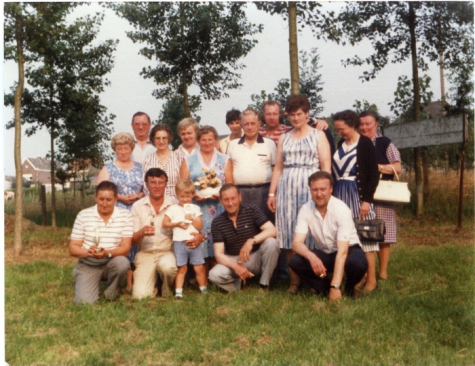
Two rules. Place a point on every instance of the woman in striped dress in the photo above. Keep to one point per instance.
(388, 157)
(356, 177)
(170, 161)
(300, 152)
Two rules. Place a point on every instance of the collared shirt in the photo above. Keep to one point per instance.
(248, 224)
(142, 213)
(337, 225)
(139, 154)
(184, 152)
(275, 134)
(171, 166)
(223, 144)
(252, 164)
(89, 224)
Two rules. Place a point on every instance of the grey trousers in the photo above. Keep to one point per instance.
(88, 279)
(263, 261)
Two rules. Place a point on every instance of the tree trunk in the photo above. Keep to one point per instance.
(417, 104)
(425, 171)
(53, 189)
(293, 50)
(442, 81)
(186, 104)
(17, 242)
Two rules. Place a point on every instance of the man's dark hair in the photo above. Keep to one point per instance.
(320, 175)
(233, 115)
(155, 172)
(141, 114)
(263, 110)
(106, 185)
(227, 187)
(373, 114)
(348, 116)
(296, 102)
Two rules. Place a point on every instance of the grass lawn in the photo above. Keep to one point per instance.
(423, 315)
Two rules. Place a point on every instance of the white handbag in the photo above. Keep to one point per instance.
(392, 191)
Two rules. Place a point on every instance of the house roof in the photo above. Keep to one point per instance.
(40, 163)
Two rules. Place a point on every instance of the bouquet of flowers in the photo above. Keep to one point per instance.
(208, 185)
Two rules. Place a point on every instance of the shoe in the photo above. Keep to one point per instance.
(293, 289)
(263, 287)
(179, 296)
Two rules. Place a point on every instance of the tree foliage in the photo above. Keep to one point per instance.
(403, 104)
(311, 85)
(194, 44)
(173, 112)
(386, 25)
(65, 70)
(300, 13)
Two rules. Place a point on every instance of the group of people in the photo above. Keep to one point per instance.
(283, 206)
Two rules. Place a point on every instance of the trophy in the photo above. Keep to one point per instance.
(97, 240)
(187, 208)
(151, 218)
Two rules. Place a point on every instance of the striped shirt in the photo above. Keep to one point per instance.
(171, 166)
(276, 134)
(248, 224)
(90, 224)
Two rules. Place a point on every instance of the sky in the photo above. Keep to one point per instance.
(267, 63)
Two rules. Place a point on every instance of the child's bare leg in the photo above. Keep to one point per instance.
(180, 280)
(200, 271)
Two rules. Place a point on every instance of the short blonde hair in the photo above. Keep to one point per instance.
(184, 186)
(187, 122)
(205, 130)
(121, 139)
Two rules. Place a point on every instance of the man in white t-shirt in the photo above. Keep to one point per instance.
(101, 239)
(338, 249)
(253, 158)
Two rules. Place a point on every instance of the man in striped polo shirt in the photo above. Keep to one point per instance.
(101, 239)
(273, 117)
(244, 243)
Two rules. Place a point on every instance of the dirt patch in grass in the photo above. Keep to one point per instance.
(10, 224)
(40, 243)
(432, 233)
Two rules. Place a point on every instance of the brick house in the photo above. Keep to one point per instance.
(37, 170)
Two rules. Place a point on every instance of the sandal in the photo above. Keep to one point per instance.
(293, 289)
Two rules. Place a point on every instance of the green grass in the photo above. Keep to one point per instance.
(67, 206)
(424, 315)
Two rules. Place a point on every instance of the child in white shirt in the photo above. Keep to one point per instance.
(185, 218)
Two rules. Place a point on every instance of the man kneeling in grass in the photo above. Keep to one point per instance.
(244, 243)
(337, 246)
(101, 239)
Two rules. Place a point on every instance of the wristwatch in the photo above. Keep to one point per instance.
(336, 287)
(109, 255)
(254, 240)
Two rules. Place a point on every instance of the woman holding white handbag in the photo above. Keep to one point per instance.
(389, 162)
